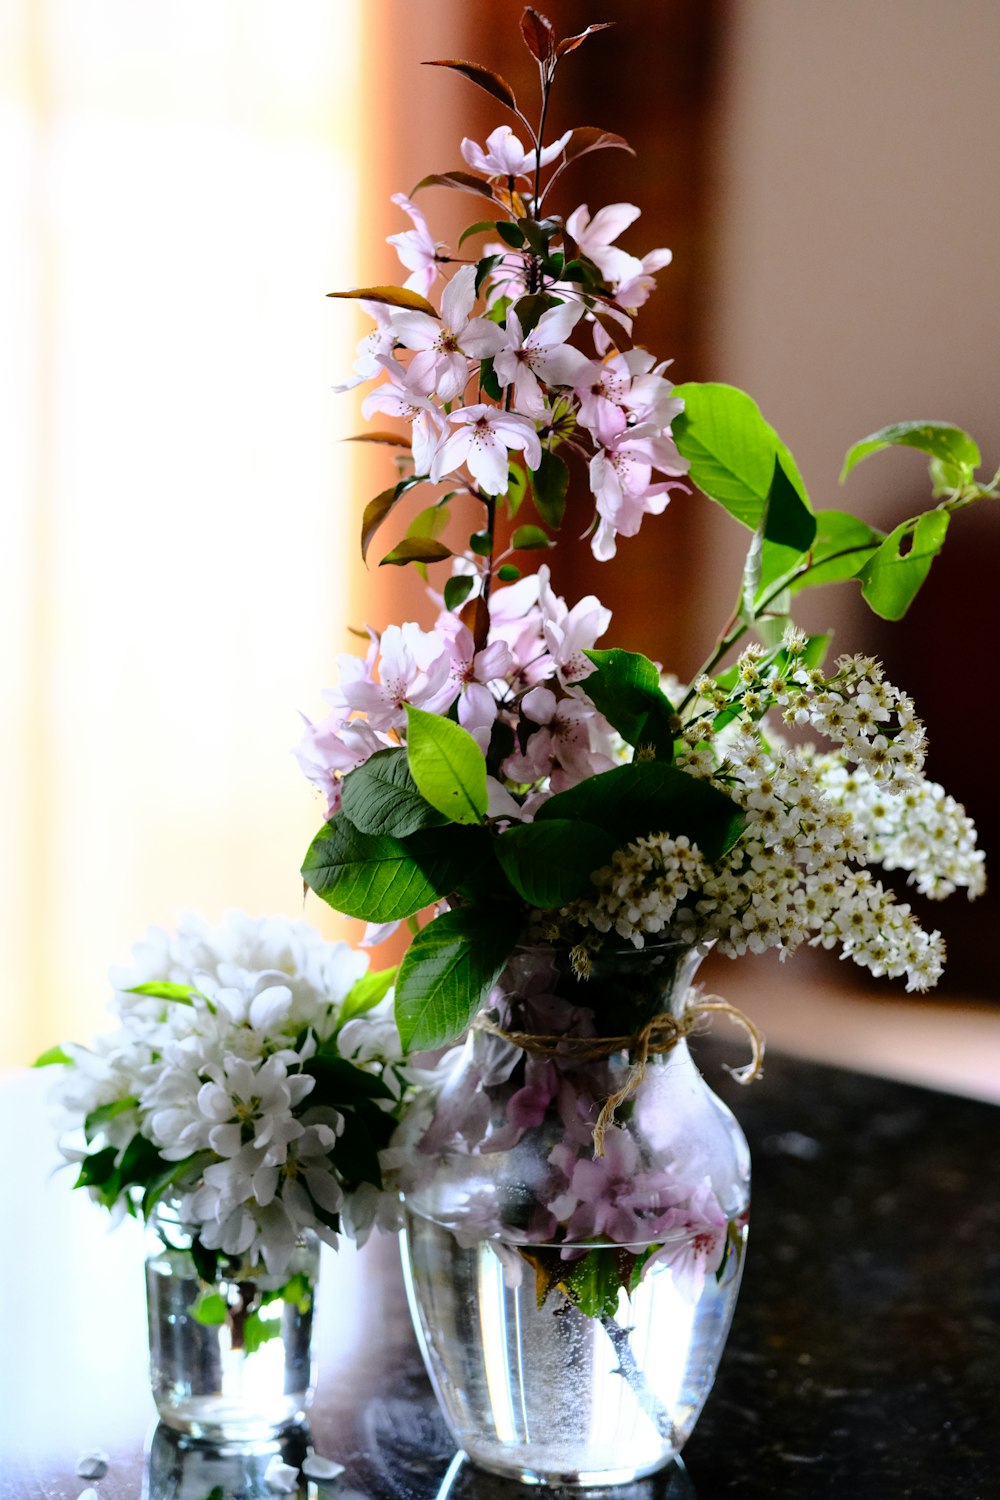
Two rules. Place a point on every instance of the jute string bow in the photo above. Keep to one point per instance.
(658, 1036)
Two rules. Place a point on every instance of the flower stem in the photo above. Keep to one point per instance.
(630, 1371)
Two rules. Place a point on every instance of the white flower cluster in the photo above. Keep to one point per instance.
(813, 823)
(212, 1075)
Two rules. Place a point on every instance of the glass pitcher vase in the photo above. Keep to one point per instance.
(576, 1217)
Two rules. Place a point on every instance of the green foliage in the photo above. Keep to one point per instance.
(104, 1114)
(649, 797)
(508, 573)
(366, 993)
(457, 590)
(530, 538)
(892, 577)
(732, 450)
(550, 863)
(53, 1057)
(210, 1310)
(257, 1331)
(378, 509)
(181, 993)
(626, 689)
(447, 766)
(956, 456)
(517, 488)
(416, 549)
(786, 530)
(448, 970)
(842, 547)
(381, 797)
(381, 879)
(549, 484)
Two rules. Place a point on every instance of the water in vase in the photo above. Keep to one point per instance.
(549, 1393)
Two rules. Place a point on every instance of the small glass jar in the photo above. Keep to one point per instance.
(230, 1358)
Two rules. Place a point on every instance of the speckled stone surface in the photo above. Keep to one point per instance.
(864, 1359)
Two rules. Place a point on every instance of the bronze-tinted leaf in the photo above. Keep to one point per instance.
(484, 77)
(375, 513)
(416, 549)
(475, 615)
(592, 138)
(391, 439)
(395, 296)
(570, 43)
(539, 37)
(458, 179)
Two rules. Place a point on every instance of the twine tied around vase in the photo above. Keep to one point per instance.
(658, 1036)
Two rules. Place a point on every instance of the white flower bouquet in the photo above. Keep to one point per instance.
(253, 1081)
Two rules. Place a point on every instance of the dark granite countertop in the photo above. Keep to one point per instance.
(864, 1358)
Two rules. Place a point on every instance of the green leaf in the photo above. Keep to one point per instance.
(507, 573)
(257, 1331)
(530, 309)
(626, 690)
(457, 590)
(510, 234)
(891, 579)
(517, 488)
(381, 797)
(549, 483)
(173, 1172)
(415, 549)
(463, 181)
(97, 1169)
(104, 1113)
(955, 452)
(379, 878)
(447, 766)
(594, 1282)
(340, 1082)
(481, 543)
(842, 547)
(210, 1309)
(731, 449)
(366, 993)
(429, 522)
(205, 1261)
(489, 381)
(182, 993)
(448, 971)
(786, 530)
(550, 863)
(530, 538)
(649, 797)
(355, 1153)
(481, 227)
(485, 267)
(55, 1055)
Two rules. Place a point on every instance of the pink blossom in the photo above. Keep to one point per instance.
(695, 1241)
(372, 348)
(395, 397)
(595, 236)
(327, 751)
(599, 1199)
(628, 384)
(561, 748)
(472, 670)
(621, 477)
(484, 437)
(542, 354)
(504, 155)
(413, 666)
(445, 347)
(570, 632)
(415, 248)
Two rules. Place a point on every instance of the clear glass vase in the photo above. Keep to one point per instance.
(230, 1358)
(572, 1306)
